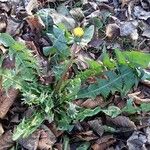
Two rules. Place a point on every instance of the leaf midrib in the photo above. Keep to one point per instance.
(109, 83)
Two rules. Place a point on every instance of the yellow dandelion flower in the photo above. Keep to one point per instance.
(78, 32)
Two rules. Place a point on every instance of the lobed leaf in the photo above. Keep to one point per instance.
(121, 81)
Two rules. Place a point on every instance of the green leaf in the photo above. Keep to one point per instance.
(88, 35)
(84, 146)
(72, 110)
(134, 58)
(10, 79)
(66, 145)
(146, 75)
(97, 22)
(72, 89)
(145, 107)
(49, 50)
(95, 68)
(129, 80)
(121, 82)
(84, 113)
(28, 126)
(109, 63)
(129, 108)
(59, 42)
(6, 39)
(46, 18)
(112, 111)
(64, 121)
(138, 58)
(120, 57)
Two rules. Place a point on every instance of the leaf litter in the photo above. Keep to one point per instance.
(110, 115)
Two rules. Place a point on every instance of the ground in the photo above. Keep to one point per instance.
(75, 75)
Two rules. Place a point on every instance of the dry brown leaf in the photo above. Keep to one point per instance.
(138, 140)
(75, 49)
(6, 101)
(30, 5)
(89, 103)
(86, 136)
(118, 101)
(97, 127)
(58, 146)
(104, 6)
(137, 99)
(124, 2)
(140, 13)
(93, 103)
(129, 28)
(8, 63)
(31, 142)
(36, 24)
(112, 31)
(82, 59)
(3, 23)
(103, 143)
(3, 49)
(53, 128)
(47, 140)
(13, 27)
(146, 82)
(121, 122)
(77, 13)
(6, 7)
(6, 141)
(1, 129)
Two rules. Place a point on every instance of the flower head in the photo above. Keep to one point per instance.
(78, 32)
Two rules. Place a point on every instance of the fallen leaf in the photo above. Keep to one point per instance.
(86, 136)
(124, 2)
(36, 24)
(3, 23)
(58, 18)
(13, 27)
(6, 141)
(137, 98)
(146, 82)
(6, 7)
(140, 13)
(96, 126)
(31, 142)
(120, 122)
(145, 4)
(128, 28)
(58, 146)
(81, 60)
(7, 62)
(47, 139)
(147, 131)
(101, 1)
(3, 49)
(1, 129)
(137, 140)
(146, 33)
(104, 142)
(77, 13)
(112, 31)
(52, 126)
(30, 5)
(89, 103)
(6, 101)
